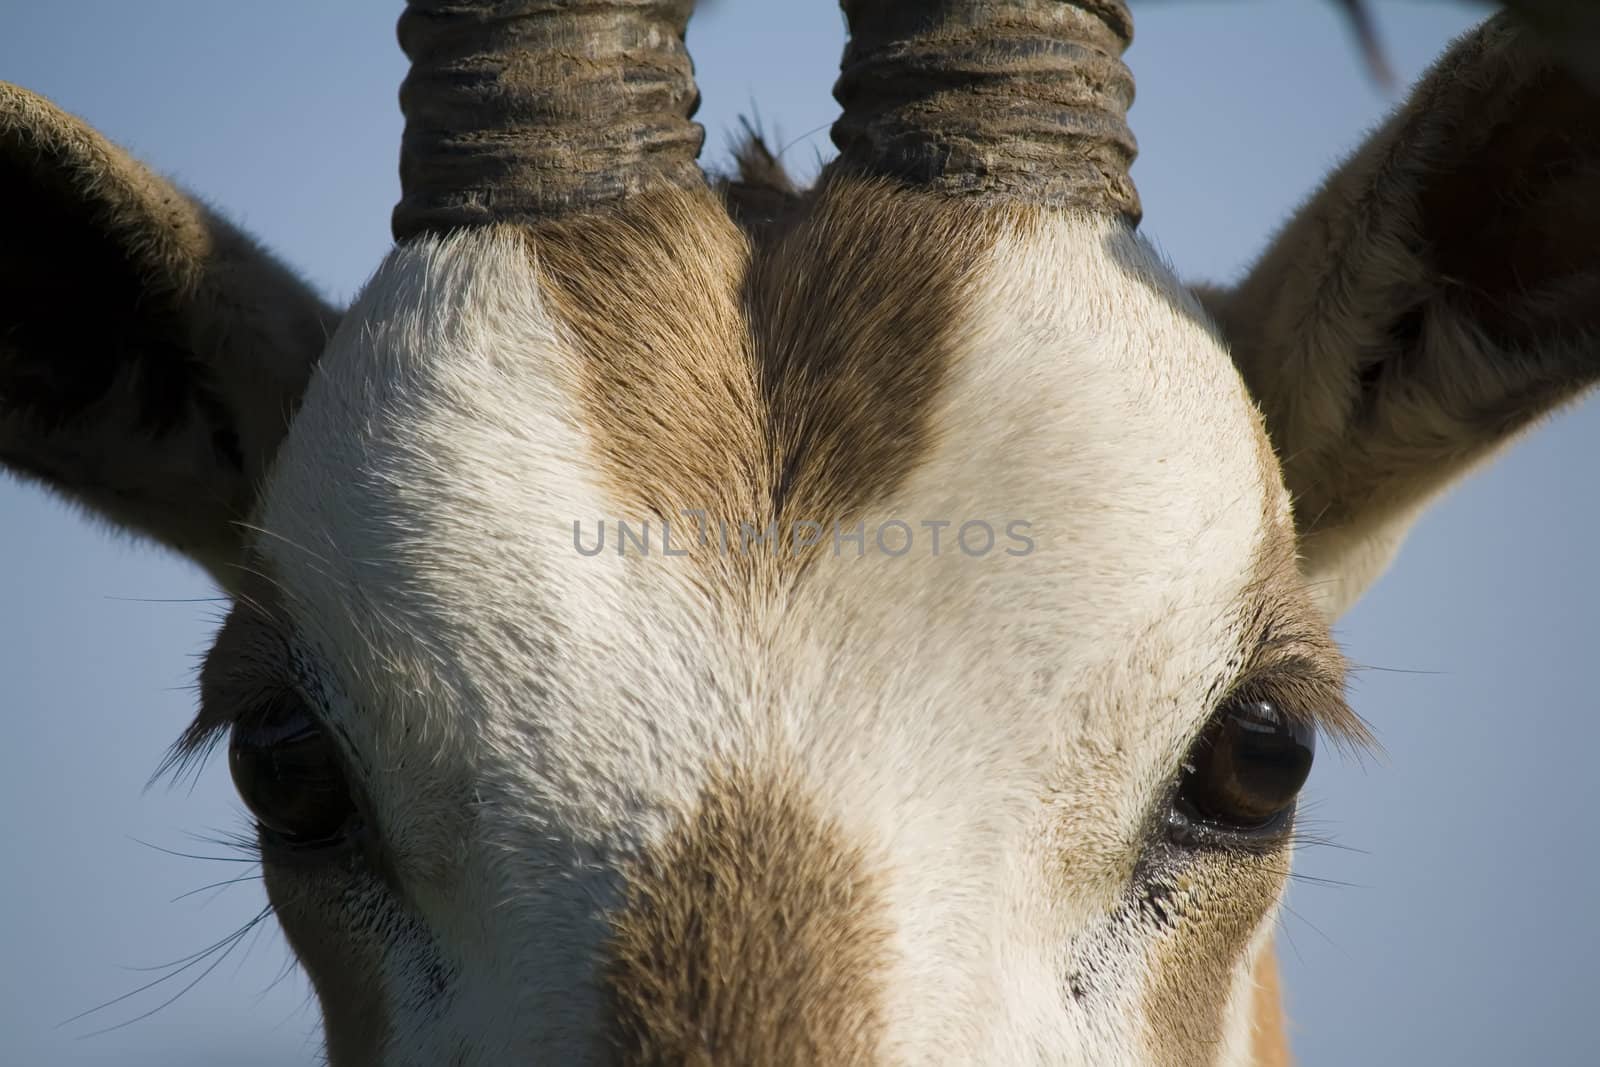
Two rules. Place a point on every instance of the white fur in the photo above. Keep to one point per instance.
(433, 475)
(419, 521)
(1091, 402)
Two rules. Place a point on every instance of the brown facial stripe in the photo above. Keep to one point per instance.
(751, 935)
(792, 381)
(856, 312)
(1216, 906)
(1211, 913)
(1269, 1043)
(650, 291)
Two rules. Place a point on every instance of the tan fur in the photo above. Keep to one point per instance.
(1206, 922)
(1269, 1035)
(753, 934)
(853, 311)
(769, 811)
(862, 433)
(1437, 296)
(651, 293)
(789, 381)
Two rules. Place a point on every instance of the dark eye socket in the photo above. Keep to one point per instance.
(289, 773)
(1245, 772)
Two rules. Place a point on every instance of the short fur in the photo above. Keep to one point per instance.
(1393, 354)
(851, 801)
(150, 355)
(752, 934)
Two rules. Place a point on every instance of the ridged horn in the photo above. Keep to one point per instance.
(1003, 99)
(527, 109)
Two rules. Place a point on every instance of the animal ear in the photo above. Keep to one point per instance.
(150, 355)
(1438, 295)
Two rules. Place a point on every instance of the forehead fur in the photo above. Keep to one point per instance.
(883, 367)
(790, 381)
(883, 351)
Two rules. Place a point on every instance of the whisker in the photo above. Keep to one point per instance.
(290, 966)
(1308, 832)
(1288, 935)
(1297, 843)
(221, 949)
(255, 937)
(170, 1000)
(1365, 667)
(242, 841)
(215, 885)
(1325, 883)
(807, 135)
(195, 856)
(1287, 910)
(1292, 875)
(182, 962)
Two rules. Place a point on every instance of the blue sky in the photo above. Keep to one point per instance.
(1450, 921)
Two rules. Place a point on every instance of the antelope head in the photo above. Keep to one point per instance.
(680, 622)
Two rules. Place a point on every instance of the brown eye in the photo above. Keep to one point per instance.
(1247, 768)
(289, 774)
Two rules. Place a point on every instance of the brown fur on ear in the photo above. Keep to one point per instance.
(1438, 295)
(150, 354)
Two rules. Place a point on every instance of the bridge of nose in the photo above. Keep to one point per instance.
(754, 932)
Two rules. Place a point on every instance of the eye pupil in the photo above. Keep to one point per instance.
(1248, 767)
(289, 774)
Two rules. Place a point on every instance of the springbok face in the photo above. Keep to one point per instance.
(882, 624)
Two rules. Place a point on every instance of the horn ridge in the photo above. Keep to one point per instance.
(526, 109)
(1004, 99)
